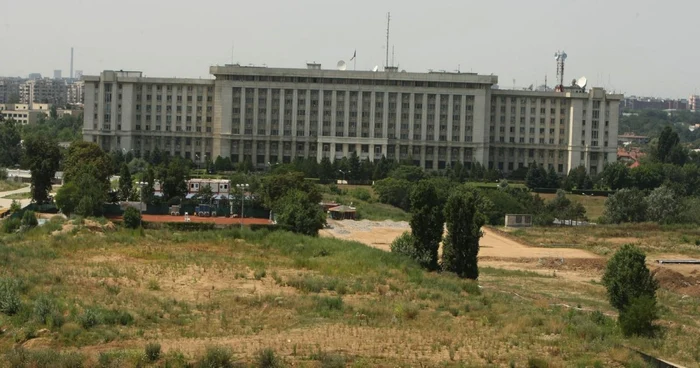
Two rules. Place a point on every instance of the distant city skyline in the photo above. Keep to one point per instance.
(633, 47)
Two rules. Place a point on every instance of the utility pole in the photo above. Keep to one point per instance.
(242, 187)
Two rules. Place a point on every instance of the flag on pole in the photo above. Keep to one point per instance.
(353, 55)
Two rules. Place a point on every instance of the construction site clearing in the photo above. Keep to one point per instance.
(500, 251)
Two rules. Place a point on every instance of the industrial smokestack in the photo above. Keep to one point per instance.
(71, 65)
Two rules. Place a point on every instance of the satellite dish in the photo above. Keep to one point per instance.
(342, 65)
(376, 67)
(582, 82)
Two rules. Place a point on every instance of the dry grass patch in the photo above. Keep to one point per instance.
(595, 206)
(118, 291)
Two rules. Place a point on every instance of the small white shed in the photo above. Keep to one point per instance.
(518, 220)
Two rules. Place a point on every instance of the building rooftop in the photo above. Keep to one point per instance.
(353, 74)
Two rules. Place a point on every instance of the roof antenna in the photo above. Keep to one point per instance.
(388, 20)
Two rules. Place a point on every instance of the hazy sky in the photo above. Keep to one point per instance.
(642, 47)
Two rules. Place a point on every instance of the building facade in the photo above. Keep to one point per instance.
(271, 115)
(9, 89)
(23, 113)
(75, 93)
(45, 90)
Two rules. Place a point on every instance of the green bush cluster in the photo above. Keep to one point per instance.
(9, 296)
(132, 218)
(267, 358)
(29, 219)
(152, 351)
(11, 225)
(216, 356)
(631, 290)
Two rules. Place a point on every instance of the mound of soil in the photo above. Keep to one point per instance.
(572, 264)
(88, 224)
(674, 281)
(567, 264)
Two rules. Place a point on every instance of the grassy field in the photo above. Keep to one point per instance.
(594, 205)
(19, 196)
(99, 297)
(6, 185)
(606, 239)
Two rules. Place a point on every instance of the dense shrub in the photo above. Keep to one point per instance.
(638, 317)
(11, 225)
(267, 358)
(152, 351)
(632, 290)
(663, 205)
(334, 189)
(117, 317)
(216, 356)
(627, 277)
(394, 192)
(299, 212)
(44, 308)
(132, 218)
(361, 194)
(29, 219)
(9, 296)
(331, 360)
(3, 173)
(627, 205)
(403, 244)
(89, 318)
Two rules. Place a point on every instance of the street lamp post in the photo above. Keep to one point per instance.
(242, 187)
(141, 184)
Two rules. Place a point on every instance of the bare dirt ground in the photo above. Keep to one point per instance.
(496, 250)
(502, 252)
(380, 234)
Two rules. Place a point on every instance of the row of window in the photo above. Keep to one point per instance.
(350, 81)
(157, 87)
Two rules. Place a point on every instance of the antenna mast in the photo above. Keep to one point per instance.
(560, 57)
(388, 20)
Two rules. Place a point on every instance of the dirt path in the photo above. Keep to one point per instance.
(381, 234)
(496, 250)
(495, 245)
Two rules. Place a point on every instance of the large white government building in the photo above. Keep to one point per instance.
(272, 115)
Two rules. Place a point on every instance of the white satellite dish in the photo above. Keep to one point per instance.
(342, 65)
(582, 82)
(376, 67)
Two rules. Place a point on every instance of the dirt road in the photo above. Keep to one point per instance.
(495, 245)
(380, 234)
